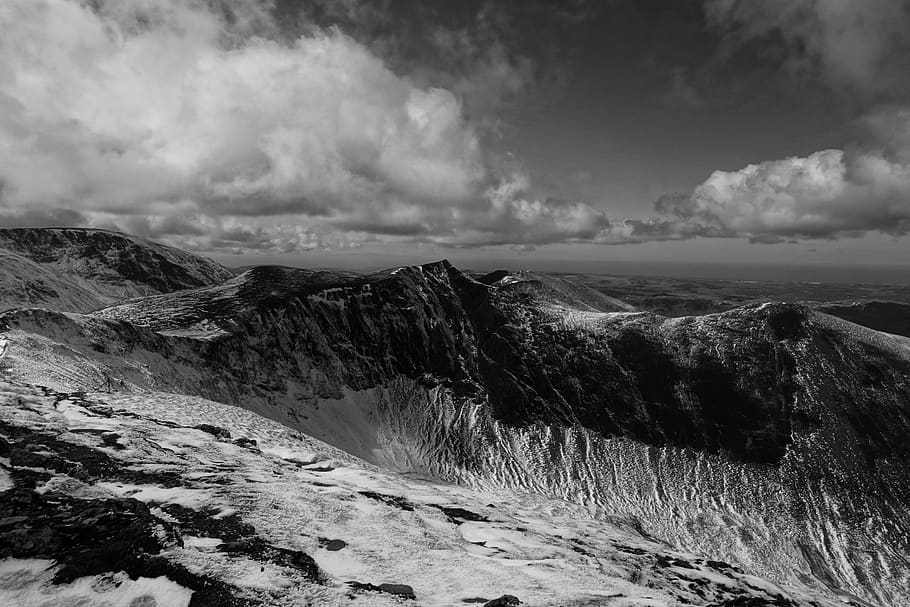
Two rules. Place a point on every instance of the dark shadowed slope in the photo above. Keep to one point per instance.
(81, 269)
(888, 316)
(24, 282)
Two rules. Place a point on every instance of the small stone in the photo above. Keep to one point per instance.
(215, 430)
(402, 590)
(111, 439)
(506, 600)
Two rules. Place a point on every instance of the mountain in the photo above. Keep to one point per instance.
(78, 270)
(556, 291)
(771, 436)
(888, 316)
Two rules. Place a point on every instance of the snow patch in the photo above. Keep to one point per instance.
(201, 543)
(182, 496)
(6, 482)
(27, 583)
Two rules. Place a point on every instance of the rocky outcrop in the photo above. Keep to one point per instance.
(79, 270)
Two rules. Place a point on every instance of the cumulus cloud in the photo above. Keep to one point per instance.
(195, 120)
(826, 194)
(857, 47)
(104, 108)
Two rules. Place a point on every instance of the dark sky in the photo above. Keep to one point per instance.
(702, 130)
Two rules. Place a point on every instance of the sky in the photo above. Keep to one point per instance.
(356, 131)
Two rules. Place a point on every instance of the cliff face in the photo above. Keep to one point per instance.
(770, 435)
(79, 270)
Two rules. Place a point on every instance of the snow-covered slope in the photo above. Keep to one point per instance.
(78, 270)
(137, 499)
(770, 436)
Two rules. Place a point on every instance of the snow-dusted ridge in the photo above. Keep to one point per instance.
(253, 513)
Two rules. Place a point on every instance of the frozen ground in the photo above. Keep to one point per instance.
(402, 540)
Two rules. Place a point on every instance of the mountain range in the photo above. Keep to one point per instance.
(769, 439)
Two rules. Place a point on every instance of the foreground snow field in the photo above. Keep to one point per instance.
(226, 507)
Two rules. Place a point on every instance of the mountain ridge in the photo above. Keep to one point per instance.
(770, 436)
(81, 269)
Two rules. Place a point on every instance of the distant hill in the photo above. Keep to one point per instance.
(79, 270)
(887, 316)
(556, 291)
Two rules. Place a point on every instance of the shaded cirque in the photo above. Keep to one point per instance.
(725, 384)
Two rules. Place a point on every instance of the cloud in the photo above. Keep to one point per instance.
(681, 93)
(227, 125)
(122, 108)
(860, 45)
(825, 194)
(831, 193)
(60, 218)
(202, 123)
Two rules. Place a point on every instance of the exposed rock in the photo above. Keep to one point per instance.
(744, 601)
(215, 431)
(460, 515)
(506, 600)
(32, 448)
(402, 590)
(332, 545)
(85, 536)
(395, 501)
